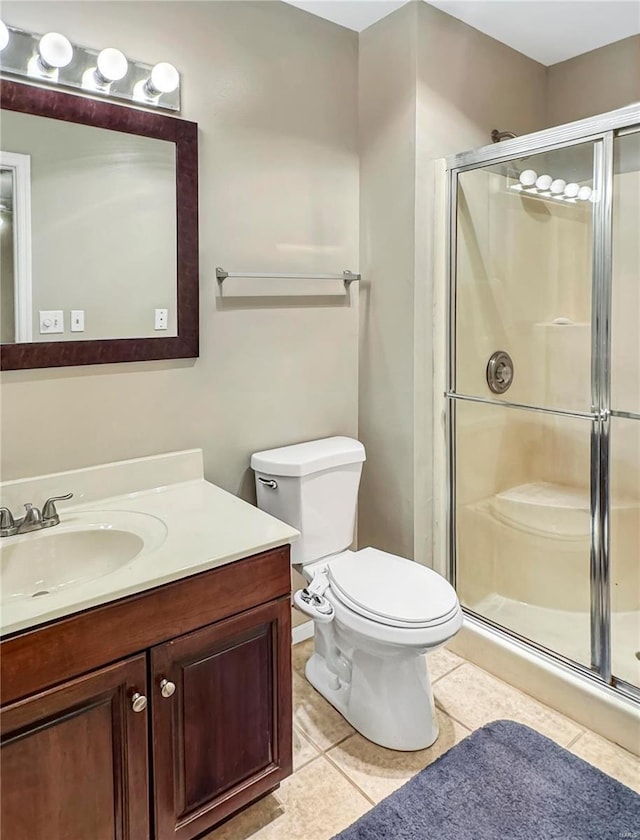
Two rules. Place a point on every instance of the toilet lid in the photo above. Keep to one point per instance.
(391, 589)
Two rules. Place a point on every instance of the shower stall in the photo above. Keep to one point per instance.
(543, 392)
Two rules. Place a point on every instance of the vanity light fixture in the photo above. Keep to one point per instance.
(4, 35)
(52, 59)
(54, 51)
(164, 78)
(111, 66)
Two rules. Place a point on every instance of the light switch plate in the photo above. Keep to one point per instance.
(162, 319)
(51, 321)
(77, 320)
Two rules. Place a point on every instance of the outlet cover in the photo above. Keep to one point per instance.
(162, 319)
(51, 321)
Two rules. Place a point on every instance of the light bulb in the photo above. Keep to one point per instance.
(584, 193)
(528, 177)
(571, 190)
(4, 35)
(55, 51)
(543, 182)
(112, 65)
(164, 79)
(558, 186)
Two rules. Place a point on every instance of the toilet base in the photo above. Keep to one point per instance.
(387, 699)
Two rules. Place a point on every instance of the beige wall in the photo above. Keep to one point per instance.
(595, 82)
(274, 92)
(387, 117)
(440, 87)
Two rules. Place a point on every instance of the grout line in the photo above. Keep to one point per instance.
(461, 723)
(303, 736)
(342, 740)
(577, 738)
(446, 674)
(350, 780)
(325, 750)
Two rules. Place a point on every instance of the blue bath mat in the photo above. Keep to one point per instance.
(505, 782)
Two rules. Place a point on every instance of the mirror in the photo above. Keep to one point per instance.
(98, 232)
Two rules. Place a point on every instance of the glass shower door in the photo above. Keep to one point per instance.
(625, 410)
(524, 395)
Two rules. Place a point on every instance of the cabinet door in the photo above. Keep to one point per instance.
(223, 737)
(74, 760)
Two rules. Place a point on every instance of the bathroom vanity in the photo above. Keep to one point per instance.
(155, 700)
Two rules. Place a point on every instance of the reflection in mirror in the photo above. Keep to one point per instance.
(103, 233)
(15, 248)
(7, 296)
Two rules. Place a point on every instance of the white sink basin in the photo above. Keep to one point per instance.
(85, 546)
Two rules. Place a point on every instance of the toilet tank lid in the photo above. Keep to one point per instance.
(307, 458)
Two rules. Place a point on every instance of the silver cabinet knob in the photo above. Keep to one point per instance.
(138, 702)
(167, 687)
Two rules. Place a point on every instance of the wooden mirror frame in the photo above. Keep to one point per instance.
(41, 102)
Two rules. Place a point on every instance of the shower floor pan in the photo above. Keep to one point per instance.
(567, 632)
(524, 562)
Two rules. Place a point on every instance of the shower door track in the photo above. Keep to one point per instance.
(600, 131)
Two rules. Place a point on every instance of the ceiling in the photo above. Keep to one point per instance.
(546, 30)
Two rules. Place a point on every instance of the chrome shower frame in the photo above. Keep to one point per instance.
(600, 131)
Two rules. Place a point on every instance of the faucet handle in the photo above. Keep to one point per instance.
(7, 524)
(49, 512)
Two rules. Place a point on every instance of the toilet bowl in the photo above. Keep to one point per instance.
(375, 614)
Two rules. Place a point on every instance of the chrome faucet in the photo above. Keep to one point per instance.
(33, 520)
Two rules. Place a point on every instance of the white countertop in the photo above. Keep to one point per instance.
(201, 527)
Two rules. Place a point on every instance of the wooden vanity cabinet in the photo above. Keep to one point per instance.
(218, 740)
(190, 722)
(74, 760)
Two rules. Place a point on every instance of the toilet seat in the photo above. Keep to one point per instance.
(390, 590)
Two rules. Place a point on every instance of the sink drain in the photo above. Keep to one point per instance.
(638, 654)
(40, 592)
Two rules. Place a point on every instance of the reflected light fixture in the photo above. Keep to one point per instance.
(547, 187)
(111, 66)
(4, 35)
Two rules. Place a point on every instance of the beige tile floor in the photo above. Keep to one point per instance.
(339, 775)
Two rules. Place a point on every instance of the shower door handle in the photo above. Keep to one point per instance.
(499, 372)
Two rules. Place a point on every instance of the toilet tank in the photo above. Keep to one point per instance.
(313, 487)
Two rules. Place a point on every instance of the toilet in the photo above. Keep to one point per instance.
(375, 614)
